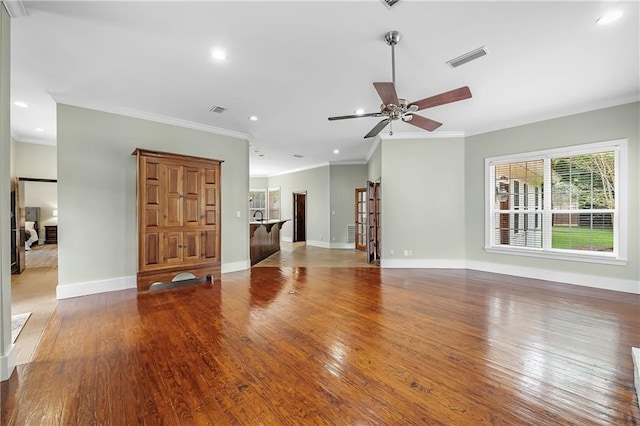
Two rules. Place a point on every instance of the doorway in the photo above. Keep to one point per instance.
(299, 216)
(34, 282)
(374, 223)
(361, 219)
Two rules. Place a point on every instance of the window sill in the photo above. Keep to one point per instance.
(558, 255)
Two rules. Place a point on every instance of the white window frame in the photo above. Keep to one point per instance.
(264, 210)
(619, 254)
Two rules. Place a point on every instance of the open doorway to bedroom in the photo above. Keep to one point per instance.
(35, 274)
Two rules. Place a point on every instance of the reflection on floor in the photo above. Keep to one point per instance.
(302, 255)
(34, 291)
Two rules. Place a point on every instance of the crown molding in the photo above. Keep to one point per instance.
(16, 8)
(301, 169)
(154, 117)
(422, 135)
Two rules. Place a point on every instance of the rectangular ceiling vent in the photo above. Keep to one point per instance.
(468, 57)
(390, 3)
(218, 109)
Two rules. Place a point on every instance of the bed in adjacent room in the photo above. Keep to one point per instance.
(31, 226)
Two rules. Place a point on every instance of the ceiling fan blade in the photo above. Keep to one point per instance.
(344, 117)
(387, 92)
(423, 122)
(378, 128)
(443, 98)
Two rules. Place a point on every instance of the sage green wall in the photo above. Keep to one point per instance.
(258, 183)
(36, 161)
(374, 165)
(344, 179)
(97, 191)
(316, 183)
(423, 202)
(7, 355)
(606, 124)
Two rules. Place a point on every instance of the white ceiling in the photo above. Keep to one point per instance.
(295, 63)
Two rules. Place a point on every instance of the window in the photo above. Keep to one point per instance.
(274, 203)
(257, 204)
(564, 203)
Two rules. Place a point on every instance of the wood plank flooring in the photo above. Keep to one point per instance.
(34, 290)
(335, 345)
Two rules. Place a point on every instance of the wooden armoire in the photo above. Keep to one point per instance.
(178, 200)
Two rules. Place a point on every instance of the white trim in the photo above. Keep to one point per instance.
(16, 9)
(422, 135)
(343, 246)
(423, 263)
(321, 244)
(242, 265)
(155, 118)
(348, 163)
(559, 254)
(8, 363)
(286, 239)
(301, 169)
(66, 291)
(602, 282)
(635, 354)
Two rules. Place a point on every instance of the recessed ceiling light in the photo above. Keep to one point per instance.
(219, 54)
(336, 151)
(610, 16)
(359, 111)
(39, 129)
(253, 118)
(298, 155)
(21, 104)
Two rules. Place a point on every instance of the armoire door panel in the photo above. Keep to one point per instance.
(152, 171)
(210, 216)
(152, 249)
(210, 176)
(152, 217)
(173, 247)
(191, 211)
(209, 244)
(192, 245)
(153, 194)
(192, 181)
(210, 195)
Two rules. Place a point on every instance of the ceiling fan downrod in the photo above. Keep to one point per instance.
(392, 38)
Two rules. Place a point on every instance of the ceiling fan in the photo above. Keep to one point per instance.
(394, 108)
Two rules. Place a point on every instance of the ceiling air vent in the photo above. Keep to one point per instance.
(390, 3)
(218, 109)
(468, 57)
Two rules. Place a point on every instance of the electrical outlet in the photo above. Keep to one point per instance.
(237, 214)
(406, 252)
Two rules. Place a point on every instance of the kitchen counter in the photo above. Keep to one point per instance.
(264, 239)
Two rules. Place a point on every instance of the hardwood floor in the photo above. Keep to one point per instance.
(34, 290)
(335, 345)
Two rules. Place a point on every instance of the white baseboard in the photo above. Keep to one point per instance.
(605, 283)
(236, 266)
(8, 363)
(322, 244)
(635, 354)
(343, 246)
(423, 263)
(287, 239)
(66, 291)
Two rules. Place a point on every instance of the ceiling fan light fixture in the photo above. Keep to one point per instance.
(609, 16)
(468, 57)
